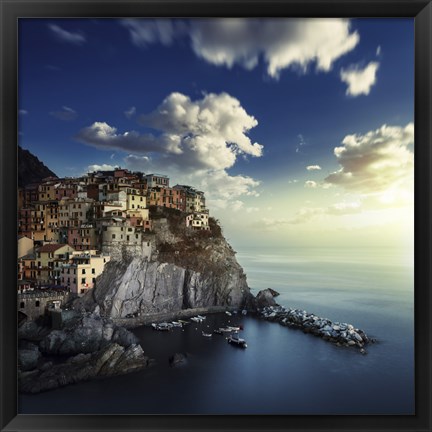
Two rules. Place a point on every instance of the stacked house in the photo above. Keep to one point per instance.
(66, 226)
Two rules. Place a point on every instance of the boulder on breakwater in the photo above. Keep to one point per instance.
(265, 298)
(341, 334)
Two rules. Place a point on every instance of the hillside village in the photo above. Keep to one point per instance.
(69, 228)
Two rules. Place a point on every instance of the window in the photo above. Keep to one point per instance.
(22, 305)
(127, 238)
(94, 280)
(83, 271)
(37, 303)
(83, 280)
(93, 271)
(113, 236)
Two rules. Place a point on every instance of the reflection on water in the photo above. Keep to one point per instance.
(283, 371)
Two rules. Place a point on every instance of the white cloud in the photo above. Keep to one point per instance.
(359, 81)
(102, 135)
(66, 114)
(311, 184)
(223, 204)
(281, 43)
(147, 31)
(313, 167)
(206, 134)
(376, 162)
(219, 184)
(378, 50)
(22, 112)
(197, 142)
(130, 112)
(103, 167)
(63, 35)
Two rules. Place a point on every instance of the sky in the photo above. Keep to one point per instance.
(299, 131)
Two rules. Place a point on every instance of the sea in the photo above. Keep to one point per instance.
(282, 371)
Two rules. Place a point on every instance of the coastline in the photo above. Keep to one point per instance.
(170, 316)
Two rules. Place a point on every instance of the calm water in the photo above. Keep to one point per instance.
(283, 371)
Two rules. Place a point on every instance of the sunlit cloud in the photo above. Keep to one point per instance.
(378, 163)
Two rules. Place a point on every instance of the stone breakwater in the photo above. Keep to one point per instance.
(341, 334)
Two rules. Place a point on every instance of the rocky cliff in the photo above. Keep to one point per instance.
(85, 347)
(186, 270)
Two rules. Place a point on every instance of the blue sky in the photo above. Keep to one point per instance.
(238, 108)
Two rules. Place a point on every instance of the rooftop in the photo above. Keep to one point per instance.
(51, 247)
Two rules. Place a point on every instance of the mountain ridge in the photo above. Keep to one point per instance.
(31, 169)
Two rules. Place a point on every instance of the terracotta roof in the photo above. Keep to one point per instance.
(51, 247)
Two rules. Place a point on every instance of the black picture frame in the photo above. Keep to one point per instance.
(11, 10)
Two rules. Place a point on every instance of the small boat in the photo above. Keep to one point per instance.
(206, 334)
(235, 340)
(202, 318)
(244, 312)
(176, 324)
(233, 328)
(163, 326)
(228, 313)
(225, 329)
(154, 325)
(218, 331)
(196, 319)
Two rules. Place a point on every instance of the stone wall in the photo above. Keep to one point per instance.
(34, 304)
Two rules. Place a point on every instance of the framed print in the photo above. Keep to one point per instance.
(216, 215)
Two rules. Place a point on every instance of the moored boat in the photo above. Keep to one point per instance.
(176, 324)
(163, 326)
(235, 340)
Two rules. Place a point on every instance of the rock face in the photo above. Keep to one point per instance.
(112, 360)
(265, 298)
(187, 270)
(86, 347)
